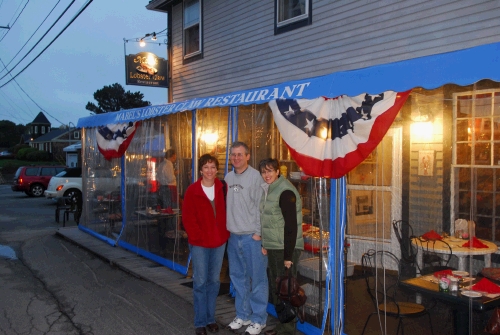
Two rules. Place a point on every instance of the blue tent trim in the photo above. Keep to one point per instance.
(462, 67)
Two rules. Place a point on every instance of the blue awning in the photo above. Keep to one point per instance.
(461, 67)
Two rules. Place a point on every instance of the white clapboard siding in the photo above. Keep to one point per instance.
(240, 50)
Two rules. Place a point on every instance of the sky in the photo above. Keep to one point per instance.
(87, 56)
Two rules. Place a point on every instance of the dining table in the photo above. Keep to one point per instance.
(457, 249)
(460, 301)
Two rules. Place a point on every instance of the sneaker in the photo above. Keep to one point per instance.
(254, 328)
(237, 323)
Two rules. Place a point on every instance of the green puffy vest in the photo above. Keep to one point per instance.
(271, 218)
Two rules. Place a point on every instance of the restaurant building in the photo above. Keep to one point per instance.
(404, 98)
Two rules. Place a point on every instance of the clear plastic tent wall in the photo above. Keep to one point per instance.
(437, 169)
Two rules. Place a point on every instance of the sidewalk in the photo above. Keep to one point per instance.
(153, 272)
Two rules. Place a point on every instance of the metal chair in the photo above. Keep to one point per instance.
(382, 283)
(434, 261)
(404, 235)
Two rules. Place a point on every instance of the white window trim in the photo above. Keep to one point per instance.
(187, 27)
(76, 135)
(455, 166)
(304, 16)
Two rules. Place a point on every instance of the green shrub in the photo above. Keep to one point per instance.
(37, 156)
(23, 153)
(15, 149)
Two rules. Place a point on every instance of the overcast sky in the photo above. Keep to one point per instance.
(86, 57)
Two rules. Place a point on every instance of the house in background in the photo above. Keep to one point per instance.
(42, 136)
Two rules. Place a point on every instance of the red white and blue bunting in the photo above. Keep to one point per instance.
(328, 137)
(114, 139)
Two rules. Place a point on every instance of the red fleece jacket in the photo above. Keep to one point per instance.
(204, 227)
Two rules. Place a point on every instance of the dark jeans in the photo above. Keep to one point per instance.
(277, 268)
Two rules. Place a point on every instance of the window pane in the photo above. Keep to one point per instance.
(463, 130)
(463, 153)
(288, 9)
(482, 154)
(191, 13)
(464, 106)
(484, 180)
(192, 39)
(483, 104)
(496, 127)
(484, 228)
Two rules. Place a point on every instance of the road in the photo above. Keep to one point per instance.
(55, 287)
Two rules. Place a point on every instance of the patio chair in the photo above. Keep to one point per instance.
(382, 283)
(433, 260)
(408, 260)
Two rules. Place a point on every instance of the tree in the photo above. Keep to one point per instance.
(10, 133)
(113, 98)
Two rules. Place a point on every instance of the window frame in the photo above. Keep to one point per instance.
(198, 54)
(76, 135)
(474, 164)
(293, 23)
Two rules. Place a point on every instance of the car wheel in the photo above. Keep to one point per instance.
(71, 195)
(36, 190)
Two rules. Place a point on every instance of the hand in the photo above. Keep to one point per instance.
(256, 237)
(264, 251)
(288, 264)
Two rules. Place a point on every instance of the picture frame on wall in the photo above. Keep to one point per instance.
(426, 163)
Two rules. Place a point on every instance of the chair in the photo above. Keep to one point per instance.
(434, 261)
(381, 270)
(62, 206)
(404, 235)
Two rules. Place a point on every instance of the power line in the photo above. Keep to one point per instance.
(29, 39)
(15, 20)
(66, 27)
(41, 38)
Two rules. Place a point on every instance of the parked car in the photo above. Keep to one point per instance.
(67, 183)
(6, 154)
(33, 180)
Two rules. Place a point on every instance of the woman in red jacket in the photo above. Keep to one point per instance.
(204, 219)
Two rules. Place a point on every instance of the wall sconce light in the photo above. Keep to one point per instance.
(209, 138)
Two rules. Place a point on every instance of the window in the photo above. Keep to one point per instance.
(43, 129)
(36, 129)
(76, 135)
(292, 14)
(192, 28)
(477, 160)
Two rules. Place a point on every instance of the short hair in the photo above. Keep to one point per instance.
(240, 144)
(207, 158)
(269, 163)
(169, 153)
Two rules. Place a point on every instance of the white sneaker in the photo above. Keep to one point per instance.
(237, 323)
(254, 328)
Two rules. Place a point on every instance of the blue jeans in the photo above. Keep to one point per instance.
(247, 269)
(207, 263)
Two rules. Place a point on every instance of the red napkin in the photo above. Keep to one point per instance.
(475, 243)
(432, 235)
(484, 285)
(443, 273)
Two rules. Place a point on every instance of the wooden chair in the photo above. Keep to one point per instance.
(382, 286)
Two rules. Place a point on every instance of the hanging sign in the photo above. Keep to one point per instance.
(146, 69)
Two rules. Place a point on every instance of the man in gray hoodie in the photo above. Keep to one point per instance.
(247, 263)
